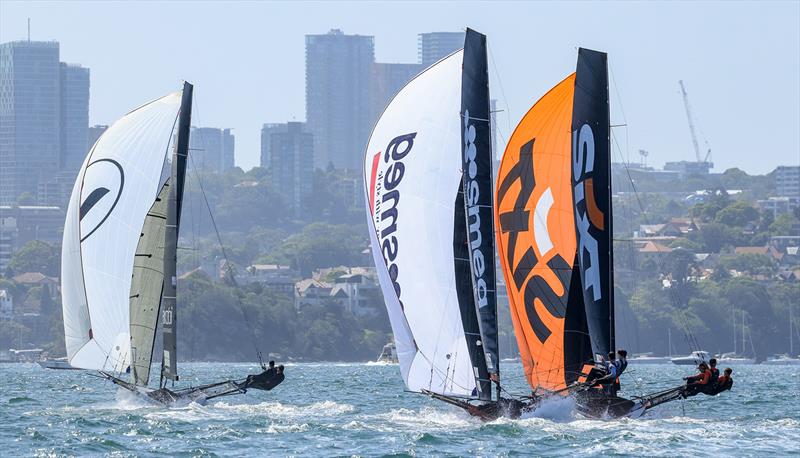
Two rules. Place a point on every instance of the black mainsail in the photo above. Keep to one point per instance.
(591, 180)
(169, 364)
(477, 177)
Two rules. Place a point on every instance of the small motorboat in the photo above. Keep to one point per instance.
(782, 360)
(648, 358)
(693, 359)
(56, 363)
(735, 359)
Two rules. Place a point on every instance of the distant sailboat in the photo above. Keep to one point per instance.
(118, 260)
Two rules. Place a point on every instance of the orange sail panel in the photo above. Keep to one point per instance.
(537, 243)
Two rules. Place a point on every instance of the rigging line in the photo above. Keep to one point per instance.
(229, 268)
(500, 83)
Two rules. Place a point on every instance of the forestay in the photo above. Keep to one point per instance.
(413, 176)
(116, 187)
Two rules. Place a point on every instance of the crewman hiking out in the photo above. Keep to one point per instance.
(699, 382)
(724, 382)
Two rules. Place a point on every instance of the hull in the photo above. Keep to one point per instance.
(650, 360)
(782, 362)
(178, 398)
(737, 361)
(57, 364)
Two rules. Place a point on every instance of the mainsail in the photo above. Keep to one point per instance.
(426, 255)
(591, 181)
(109, 226)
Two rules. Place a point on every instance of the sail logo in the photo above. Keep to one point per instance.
(473, 195)
(587, 214)
(385, 180)
(103, 181)
(530, 277)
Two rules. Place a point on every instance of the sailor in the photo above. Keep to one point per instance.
(609, 377)
(724, 382)
(622, 362)
(698, 382)
(267, 375)
(712, 366)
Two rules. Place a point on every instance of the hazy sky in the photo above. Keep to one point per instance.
(739, 60)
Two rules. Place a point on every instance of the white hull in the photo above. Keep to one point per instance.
(57, 364)
(736, 361)
(650, 360)
(782, 362)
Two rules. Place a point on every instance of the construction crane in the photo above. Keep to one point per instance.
(692, 127)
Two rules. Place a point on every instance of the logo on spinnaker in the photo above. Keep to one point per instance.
(103, 181)
(384, 199)
(587, 214)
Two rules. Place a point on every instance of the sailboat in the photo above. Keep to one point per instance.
(553, 213)
(428, 179)
(118, 259)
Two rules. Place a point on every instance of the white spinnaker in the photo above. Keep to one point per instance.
(427, 327)
(116, 186)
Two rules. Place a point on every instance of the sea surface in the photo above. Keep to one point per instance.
(330, 409)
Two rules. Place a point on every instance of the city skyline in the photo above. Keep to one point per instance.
(741, 75)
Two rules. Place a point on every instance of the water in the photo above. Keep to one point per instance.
(358, 409)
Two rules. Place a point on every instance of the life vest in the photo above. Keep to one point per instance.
(704, 377)
(714, 376)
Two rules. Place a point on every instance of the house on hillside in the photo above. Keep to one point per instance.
(352, 288)
(30, 279)
(769, 251)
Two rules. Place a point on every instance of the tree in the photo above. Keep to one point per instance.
(738, 213)
(36, 256)
(784, 224)
(679, 265)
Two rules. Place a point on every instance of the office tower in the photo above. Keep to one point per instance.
(435, 45)
(74, 116)
(338, 109)
(30, 117)
(386, 81)
(211, 149)
(787, 181)
(290, 150)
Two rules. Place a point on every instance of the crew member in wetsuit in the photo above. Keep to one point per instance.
(724, 382)
(698, 382)
(712, 366)
(610, 376)
(267, 374)
(621, 364)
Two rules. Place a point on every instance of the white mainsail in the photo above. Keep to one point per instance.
(116, 187)
(412, 176)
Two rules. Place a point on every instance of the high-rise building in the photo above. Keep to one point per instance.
(266, 153)
(211, 149)
(30, 117)
(94, 133)
(338, 108)
(386, 81)
(787, 181)
(44, 119)
(74, 116)
(435, 45)
(290, 150)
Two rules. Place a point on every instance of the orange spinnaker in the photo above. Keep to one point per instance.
(539, 326)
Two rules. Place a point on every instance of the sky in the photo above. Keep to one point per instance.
(740, 62)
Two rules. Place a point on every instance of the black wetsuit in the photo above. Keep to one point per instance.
(266, 380)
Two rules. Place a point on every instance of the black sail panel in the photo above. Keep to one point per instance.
(169, 363)
(591, 180)
(478, 195)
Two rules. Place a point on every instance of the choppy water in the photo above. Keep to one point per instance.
(357, 409)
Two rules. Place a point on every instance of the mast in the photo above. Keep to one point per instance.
(169, 362)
